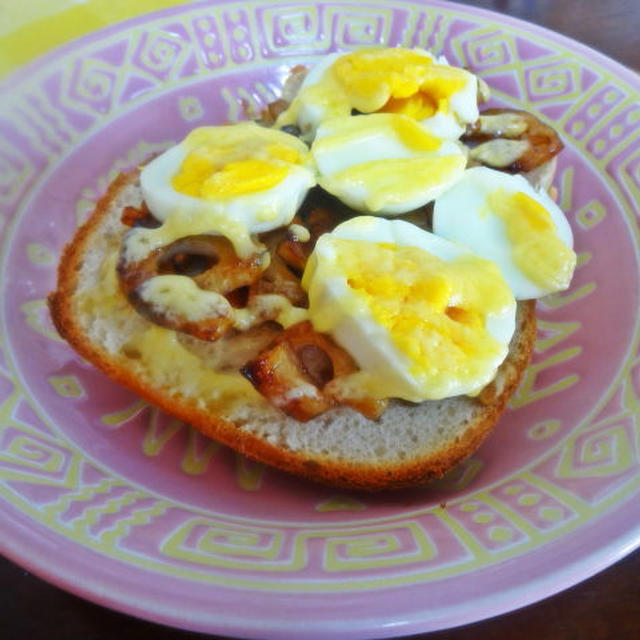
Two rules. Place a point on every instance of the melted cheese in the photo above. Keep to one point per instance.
(394, 80)
(155, 354)
(180, 296)
(408, 133)
(502, 218)
(237, 181)
(423, 319)
(392, 182)
(536, 246)
(385, 163)
(138, 243)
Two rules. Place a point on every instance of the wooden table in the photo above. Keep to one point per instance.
(605, 607)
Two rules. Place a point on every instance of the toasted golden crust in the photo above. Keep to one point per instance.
(328, 467)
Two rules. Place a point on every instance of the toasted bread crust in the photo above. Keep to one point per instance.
(334, 470)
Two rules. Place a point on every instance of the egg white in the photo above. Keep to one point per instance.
(256, 212)
(309, 113)
(462, 214)
(345, 145)
(334, 308)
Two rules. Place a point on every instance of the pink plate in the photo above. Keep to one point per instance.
(119, 503)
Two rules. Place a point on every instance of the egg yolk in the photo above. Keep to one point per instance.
(434, 310)
(214, 170)
(419, 106)
(379, 79)
(397, 81)
(536, 247)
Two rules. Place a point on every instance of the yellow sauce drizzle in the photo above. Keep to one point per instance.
(434, 310)
(536, 247)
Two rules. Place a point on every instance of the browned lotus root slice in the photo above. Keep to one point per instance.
(211, 262)
(139, 217)
(317, 221)
(278, 279)
(211, 328)
(511, 140)
(291, 87)
(232, 350)
(294, 371)
(277, 374)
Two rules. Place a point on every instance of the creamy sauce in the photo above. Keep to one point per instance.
(180, 295)
(138, 243)
(156, 354)
(536, 245)
(435, 311)
(380, 79)
(507, 125)
(299, 233)
(499, 153)
(395, 180)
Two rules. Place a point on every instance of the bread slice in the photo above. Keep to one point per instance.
(198, 381)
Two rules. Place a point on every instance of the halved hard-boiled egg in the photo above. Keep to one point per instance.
(234, 180)
(393, 80)
(423, 318)
(503, 218)
(385, 162)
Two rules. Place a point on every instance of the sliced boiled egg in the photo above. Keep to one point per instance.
(503, 218)
(393, 80)
(234, 180)
(423, 318)
(384, 162)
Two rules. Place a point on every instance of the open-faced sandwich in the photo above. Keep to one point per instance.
(344, 289)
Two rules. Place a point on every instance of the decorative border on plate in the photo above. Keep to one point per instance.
(76, 93)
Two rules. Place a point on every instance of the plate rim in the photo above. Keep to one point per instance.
(610, 553)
